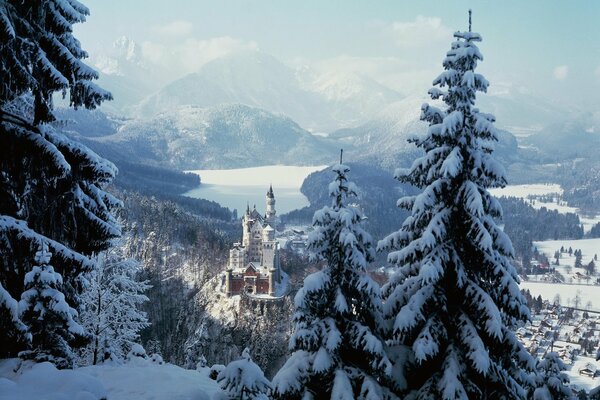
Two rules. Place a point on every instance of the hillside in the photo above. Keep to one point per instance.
(227, 136)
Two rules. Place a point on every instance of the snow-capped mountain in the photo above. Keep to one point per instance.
(226, 136)
(579, 136)
(384, 139)
(124, 73)
(518, 111)
(320, 103)
(351, 98)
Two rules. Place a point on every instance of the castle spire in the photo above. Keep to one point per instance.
(270, 192)
(270, 214)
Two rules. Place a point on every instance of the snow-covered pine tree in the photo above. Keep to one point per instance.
(110, 307)
(455, 296)
(15, 333)
(50, 319)
(337, 350)
(244, 380)
(552, 383)
(40, 55)
(51, 188)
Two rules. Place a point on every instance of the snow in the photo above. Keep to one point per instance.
(142, 380)
(567, 293)
(523, 191)
(236, 188)
(44, 381)
(580, 381)
(244, 379)
(530, 191)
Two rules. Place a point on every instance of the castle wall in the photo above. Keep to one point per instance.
(238, 283)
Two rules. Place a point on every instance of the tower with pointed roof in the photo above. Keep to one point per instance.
(253, 265)
(270, 200)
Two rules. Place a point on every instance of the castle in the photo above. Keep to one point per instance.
(253, 266)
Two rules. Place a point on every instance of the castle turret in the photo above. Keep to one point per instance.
(270, 198)
(272, 278)
(228, 277)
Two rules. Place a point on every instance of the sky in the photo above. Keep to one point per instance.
(547, 48)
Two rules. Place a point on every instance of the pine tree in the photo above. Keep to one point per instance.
(578, 259)
(455, 295)
(337, 348)
(552, 382)
(51, 188)
(40, 55)
(244, 380)
(50, 319)
(110, 307)
(16, 334)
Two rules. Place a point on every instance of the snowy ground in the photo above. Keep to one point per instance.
(567, 293)
(524, 191)
(136, 380)
(581, 381)
(574, 277)
(235, 188)
(533, 191)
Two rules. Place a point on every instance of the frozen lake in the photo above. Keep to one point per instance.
(235, 188)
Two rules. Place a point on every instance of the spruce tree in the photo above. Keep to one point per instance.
(337, 349)
(50, 319)
(552, 383)
(244, 380)
(110, 308)
(51, 188)
(454, 300)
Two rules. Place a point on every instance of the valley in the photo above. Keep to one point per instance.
(238, 188)
(283, 201)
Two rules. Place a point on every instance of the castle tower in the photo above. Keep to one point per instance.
(270, 214)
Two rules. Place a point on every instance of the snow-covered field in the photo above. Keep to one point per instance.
(235, 188)
(136, 380)
(523, 191)
(546, 189)
(588, 293)
(590, 248)
(567, 293)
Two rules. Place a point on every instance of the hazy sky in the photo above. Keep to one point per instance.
(549, 48)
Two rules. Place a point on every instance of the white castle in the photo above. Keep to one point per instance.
(253, 265)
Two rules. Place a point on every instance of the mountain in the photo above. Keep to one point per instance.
(351, 98)
(383, 140)
(227, 136)
(518, 111)
(578, 136)
(124, 73)
(319, 103)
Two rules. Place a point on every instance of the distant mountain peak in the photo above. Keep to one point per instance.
(127, 49)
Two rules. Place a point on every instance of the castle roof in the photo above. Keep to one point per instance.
(270, 192)
(255, 215)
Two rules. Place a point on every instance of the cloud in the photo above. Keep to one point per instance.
(561, 72)
(191, 54)
(423, 31)
(176, 28)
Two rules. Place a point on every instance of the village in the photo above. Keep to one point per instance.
(574, 334)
